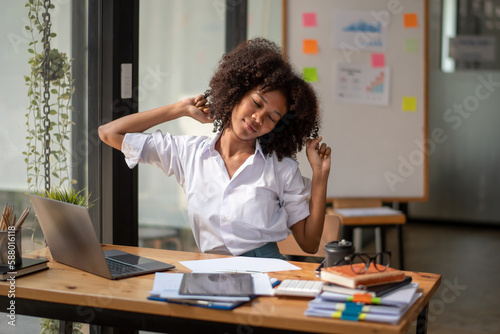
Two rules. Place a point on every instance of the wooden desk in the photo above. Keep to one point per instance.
(70, 294)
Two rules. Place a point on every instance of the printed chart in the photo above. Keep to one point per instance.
(362, 84)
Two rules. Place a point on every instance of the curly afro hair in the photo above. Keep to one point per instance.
(260, 63)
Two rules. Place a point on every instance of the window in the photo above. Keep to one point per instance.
(180, 43)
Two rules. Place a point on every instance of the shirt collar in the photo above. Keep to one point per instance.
(210, 148)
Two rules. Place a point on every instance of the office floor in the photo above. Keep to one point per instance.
(467, 259)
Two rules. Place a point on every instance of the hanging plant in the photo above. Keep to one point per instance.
(48, 119)
(61, 89)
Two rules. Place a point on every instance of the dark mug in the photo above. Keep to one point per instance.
(336, 251)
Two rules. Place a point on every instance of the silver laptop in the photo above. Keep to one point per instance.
(72, 240)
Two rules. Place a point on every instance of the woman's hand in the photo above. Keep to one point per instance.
(198, 108)
(319, 155)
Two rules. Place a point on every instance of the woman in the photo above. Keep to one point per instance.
(243, 188)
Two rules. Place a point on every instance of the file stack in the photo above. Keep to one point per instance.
(389, 308)
(168, 287)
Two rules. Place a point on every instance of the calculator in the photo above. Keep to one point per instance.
(299, 288)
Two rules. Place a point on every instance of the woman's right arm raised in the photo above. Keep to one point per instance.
(113, 132)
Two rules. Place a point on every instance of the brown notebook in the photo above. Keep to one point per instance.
(343, 275)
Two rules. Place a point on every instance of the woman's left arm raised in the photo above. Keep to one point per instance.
(307, 232)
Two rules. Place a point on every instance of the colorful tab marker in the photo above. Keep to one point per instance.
(351, 317)
(310, 46)
(362, 298)
(310, 74)
(409, 103)
(309, 19)
(378, 60)
(353, 308)
(410, 20)
(412, 45)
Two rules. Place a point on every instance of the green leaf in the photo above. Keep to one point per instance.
(31, 51)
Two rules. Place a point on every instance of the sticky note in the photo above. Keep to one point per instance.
(310, 46)
(310, 74)
(309, 19)
(410, 20)
(412, 45)
(409, 103)
(378, 60)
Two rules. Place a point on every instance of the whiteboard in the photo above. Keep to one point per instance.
(372, 91)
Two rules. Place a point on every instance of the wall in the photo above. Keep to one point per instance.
(464, 170)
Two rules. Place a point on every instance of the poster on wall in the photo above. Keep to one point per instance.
(359, 30)
(362, 84)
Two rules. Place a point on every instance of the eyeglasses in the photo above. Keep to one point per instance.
(360, 262)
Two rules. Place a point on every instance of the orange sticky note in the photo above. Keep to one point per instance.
(378, 60)
(309, 19)
(362, 298)
(410, 20)
(310, 46)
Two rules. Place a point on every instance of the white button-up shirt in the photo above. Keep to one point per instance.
(259, 204)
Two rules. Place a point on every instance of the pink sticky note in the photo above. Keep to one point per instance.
(378, 60)
(309, 19)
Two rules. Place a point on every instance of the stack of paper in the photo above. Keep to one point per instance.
(166, 287)
(387, 309)
(363, 212)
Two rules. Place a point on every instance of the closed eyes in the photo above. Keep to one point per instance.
(260, 107)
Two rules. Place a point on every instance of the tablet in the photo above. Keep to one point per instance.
(211, 284)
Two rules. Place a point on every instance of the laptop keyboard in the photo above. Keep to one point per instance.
(119, 268)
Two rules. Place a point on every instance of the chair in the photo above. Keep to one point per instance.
(159, 237)
(352, 226)
(331, 232)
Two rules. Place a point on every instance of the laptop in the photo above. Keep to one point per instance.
(72, 240)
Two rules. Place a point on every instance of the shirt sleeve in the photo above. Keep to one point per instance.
(296, 194)
(157, 149)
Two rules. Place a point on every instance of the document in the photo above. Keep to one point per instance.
(400, 297)
(363, 212)
(167, 285)
(363, 314)
(239, 264)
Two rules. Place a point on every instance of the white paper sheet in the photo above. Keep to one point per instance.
(362, 84)
(363, 212)
(239, 264)
(359, 30)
